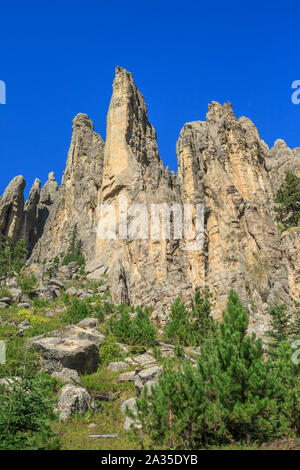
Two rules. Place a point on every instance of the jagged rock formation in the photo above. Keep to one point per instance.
(77, 199)
(282, 159)
(222, 164)
(31, 216)
(142, 270)
(11, 209)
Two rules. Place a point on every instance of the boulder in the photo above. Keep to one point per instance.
(92, 323)
(116, 366)
(150, 385)
(71, 291)
(75, 333)
(127, 377)
(47, 292)
(102, 289)
(6, 300)
(57, 283)
(130, 404)
(16, 294)
(144, 359)
(147, 376)
(66, 375)
(24, 305)
(73, 399)
(58, 352)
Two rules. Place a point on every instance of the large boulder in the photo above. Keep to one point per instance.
(59, 352)
(73, 399)
(76, 333)
(148, 376)
(130, 405)
(67, 375)
(91, 323)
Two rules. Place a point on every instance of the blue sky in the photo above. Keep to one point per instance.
(58, 57)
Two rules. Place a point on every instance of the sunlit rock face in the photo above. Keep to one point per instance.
(12, 209)
(223, 165)
(76, 201)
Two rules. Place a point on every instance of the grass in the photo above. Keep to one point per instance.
(74, 434)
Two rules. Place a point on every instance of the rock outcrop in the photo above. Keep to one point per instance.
(77, 199)
(12, 209)
(223, 166)
(31, 217)
(142, 270)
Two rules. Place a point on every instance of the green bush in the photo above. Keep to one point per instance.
(26, 412)
(191, 327)
(74, 253)
(77, 311)
(288, 202)
(139, 330)
(110, 351)
(233, 395)
(20, 358)
(39, 303)
(12, 257)
(5, 292)
(27, 283)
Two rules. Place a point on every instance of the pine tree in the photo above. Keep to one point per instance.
(281, 326)
(234, 394)
(12, 257)
(203, 323)
(191, 327)
(288, 200)
(74, 253)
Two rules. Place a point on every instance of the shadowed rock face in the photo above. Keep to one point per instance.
(222, 163)
(31, 217)
(12, 209)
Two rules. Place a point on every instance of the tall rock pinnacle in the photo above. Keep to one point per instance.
(223, 164)
(11, 208)
(76, 200)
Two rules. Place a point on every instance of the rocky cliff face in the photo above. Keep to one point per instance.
(76, 200)
(11, 208)
(222, 164)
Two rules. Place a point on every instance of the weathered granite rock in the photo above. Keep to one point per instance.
(280, 160)
(290, 241)
(73, 399)
(67, 375)
(130, 404)
(148, 375)
(78, 196)
(92, 323)
(12, 209)
(75, 333)
(222, 163)
(95, 269)
(141, 271)
(127, 376)
(30, 231)
(117, 366)
(58, 352)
